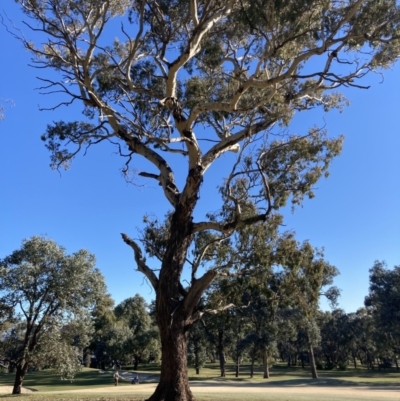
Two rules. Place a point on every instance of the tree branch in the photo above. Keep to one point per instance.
(166, 177)
(229, 227)
(197, 289)
(140, 261)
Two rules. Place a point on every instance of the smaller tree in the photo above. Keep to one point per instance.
(53, 291)
(104, 319)
(133, 313)
(308, 274)
(197, 346)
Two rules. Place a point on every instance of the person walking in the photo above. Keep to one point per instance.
(116, 378)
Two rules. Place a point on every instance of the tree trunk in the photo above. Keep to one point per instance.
(176, 306)
(302, 360)
(221, 352)
(313, 367)
(197, 361)
(252, 367)
(136, 363)
(213, 358)
(266, 367)
(87, 357)
(174, 383)
(355, 362)
(19, 377)
(174, 312)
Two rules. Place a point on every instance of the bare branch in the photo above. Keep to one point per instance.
(140, 261)
(166, 179)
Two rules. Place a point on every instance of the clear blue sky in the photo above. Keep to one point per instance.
(355, 214)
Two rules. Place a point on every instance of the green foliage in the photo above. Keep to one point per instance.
(197, 347)
(383, 304)
(141, 338)
(54, 292)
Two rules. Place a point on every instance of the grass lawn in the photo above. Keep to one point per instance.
(46, 385)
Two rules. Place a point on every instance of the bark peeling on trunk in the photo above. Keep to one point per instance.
(174, 384)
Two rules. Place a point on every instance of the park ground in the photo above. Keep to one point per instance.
(285, 384)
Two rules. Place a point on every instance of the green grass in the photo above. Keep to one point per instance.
(45, 384)
(47, 380)
(282, 374)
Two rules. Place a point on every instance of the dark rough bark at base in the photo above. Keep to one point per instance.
(164, 392)
(19, 378)
(174, 382)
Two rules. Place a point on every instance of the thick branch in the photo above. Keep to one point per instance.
(231, 141)
(140, 261)
(193, 47)
(166, 177)
(197, 289)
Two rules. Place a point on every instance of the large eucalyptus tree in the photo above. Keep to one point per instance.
(196, 79)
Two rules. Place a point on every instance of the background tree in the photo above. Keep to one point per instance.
(103, 320)
(197, 346)
(10, 345)
(236, 68)
(117, 344)
(52, 290)
(383, 302)
(337, 337)
(309, 275)
(133, 312)
(218, 329)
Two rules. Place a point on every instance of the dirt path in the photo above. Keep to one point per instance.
(8, 390)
